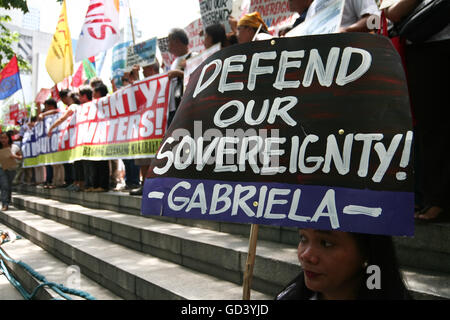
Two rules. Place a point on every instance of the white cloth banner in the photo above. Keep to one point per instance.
(100, 30)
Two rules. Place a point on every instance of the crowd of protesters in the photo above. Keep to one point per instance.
(432, 169)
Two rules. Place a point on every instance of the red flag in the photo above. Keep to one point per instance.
(9, 79)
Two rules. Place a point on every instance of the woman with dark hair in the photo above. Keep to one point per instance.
(215, 33)
(7, 174)
(335, 267)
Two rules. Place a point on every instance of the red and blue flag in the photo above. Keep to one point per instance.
(10, 79)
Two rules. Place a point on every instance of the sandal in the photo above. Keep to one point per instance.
(420, 211)
(437, 215)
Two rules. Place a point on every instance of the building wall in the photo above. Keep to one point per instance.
(33, 47)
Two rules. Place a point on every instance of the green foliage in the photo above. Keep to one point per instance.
(7, 38)
(14, 4)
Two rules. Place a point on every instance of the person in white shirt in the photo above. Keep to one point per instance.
(356, 13)
(354, 17)
(178, 46)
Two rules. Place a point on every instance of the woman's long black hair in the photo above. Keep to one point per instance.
(377, 250)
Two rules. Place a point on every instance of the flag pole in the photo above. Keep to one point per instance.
(131, 23)
(21, 89)
(251, 255)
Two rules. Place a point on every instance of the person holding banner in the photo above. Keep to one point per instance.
(346, 266)
(178, 46)
(356, 14)
(9, 155)
(144, 164)
(55, 173)
(428, 87)
(252, 26)
(99, 168)
(71, 100)
(301, 7)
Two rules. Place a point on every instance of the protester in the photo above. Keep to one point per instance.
(354, 17)
(40, 170)
(7, 174)
(71, 99)
(55, 173)
(35, 175)
(97, 170)
(131, 170)
(215, 33)
(251, 26)
(94, 82)
(69, 170)
(85, 94)
(100, 90)
(179, 46)
(301, 7)
(282, 32)
(429, 103)
(144, 164)
(335, 267)
(356, 13)
(21, 171)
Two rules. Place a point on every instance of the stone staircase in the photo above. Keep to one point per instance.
(140, 257)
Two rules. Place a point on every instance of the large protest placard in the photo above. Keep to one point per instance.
(275, 13)
(324, 17)
(128, 124)
(119, 61)
(141, 54)
(311, 132)
(42, 95)
(12, 115)
(216, 11)
(196, 41)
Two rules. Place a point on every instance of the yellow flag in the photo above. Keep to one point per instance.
(59, 61)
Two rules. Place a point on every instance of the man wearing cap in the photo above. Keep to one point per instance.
(250, 25)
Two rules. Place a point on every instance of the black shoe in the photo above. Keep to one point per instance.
(136, 192)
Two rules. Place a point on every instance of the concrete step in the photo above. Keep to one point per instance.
(428, 249)
(216, 253)
(124, 203)
(53, 269)
(126, 272)
(219, 254)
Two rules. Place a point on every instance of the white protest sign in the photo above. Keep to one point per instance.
(275, 13)
(196, 42)
(216, 11)
(324, 17)
(119, 56)
(141, 54)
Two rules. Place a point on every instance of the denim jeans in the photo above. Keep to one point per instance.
(6, 178)
(131, 173)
